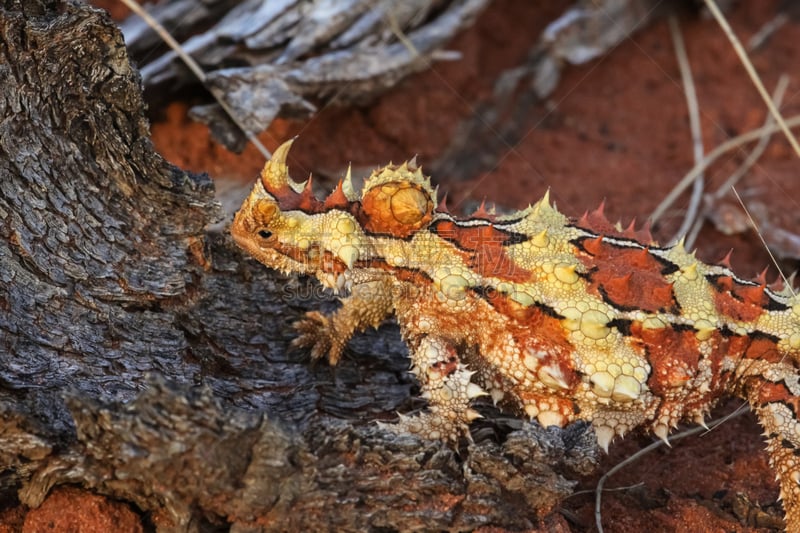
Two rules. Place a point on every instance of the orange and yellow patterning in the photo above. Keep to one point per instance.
(556, 319)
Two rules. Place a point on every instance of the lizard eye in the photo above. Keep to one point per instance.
(265, 213)
(398, 208)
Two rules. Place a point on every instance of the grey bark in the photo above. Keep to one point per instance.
(270, 58)
(146, 359)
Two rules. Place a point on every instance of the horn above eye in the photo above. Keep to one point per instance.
(265, 211)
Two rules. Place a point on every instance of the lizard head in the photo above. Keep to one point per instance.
(285, 227)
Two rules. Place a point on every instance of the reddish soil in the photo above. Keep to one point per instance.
(72, 509)
(615, 129)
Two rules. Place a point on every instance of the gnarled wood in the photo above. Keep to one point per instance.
(143, 358)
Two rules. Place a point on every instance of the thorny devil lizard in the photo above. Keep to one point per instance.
(556, 319)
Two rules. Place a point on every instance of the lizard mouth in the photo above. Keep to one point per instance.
(331, 271)
(264, 246)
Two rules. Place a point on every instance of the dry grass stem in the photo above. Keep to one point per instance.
(751, 71)
(747, 164)
(694, 125)
(763, 142)
(598, 514)
(197, 71)
(763, 242)
(712, 156)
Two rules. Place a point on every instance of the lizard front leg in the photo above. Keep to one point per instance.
(369, 304)
(446, 384)
(773, 391)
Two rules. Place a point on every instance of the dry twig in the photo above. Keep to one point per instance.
(694, 125)
(198, 72)
(751, 71)
(747, 164)
(712, 156)
(598, 513)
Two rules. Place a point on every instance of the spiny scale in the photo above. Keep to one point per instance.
(555, 319)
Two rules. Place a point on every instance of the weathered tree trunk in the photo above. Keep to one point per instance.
(143, 358)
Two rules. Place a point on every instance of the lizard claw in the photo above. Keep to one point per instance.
(317, 331)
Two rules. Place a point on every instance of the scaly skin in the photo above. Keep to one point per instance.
(557, 319)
